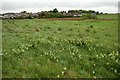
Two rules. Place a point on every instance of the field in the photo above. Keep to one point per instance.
(110, 16)
(45, 48)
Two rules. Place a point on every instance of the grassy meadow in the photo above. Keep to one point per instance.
(110, 16)
(45, 48)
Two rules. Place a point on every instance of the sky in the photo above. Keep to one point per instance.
(105, 6)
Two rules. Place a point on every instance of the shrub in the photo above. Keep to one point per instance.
(91, 26)
(70, 29)
(87, 30)
(94, 32)
(48, 28)
(89, 16)
(59, 29)
(37, 30)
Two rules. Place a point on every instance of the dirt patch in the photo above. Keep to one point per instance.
(64, 19)
(77, 19)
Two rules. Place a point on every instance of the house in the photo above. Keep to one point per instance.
(8, 16)
(35, 14)
(17, 15)
(77, 15)
(93, 14)
(20, 15)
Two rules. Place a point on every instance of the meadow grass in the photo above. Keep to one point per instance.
(44, 48)
(106, 16)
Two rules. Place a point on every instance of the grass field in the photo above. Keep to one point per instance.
(44, 48)
(110, 16)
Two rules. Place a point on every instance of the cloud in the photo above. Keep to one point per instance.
(34, 5)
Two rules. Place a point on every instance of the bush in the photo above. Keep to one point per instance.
(59, 29)
(91, 26)
(89, 16)
(87, 30)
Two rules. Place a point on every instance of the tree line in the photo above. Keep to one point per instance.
(55, 14)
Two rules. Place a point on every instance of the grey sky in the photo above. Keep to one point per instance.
(110, 6)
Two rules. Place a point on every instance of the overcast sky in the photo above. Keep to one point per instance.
(109, 6)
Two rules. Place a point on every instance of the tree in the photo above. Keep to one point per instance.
(41, 14)
(97, 12)
(101, 13)
(55, 10)
(50, 11)
(91, 11)
(24, 12)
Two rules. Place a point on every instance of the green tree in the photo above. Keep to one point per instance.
(55, 10)
(97, 13)
(25, 12)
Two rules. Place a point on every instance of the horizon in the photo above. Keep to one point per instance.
(54, 8)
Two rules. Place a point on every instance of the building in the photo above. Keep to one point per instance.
(8, 16)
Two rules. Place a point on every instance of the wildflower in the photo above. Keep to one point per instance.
(13, 50)
(22, 50)
(65, 68)
(117, 53)
(115, 71)
(26, 48)
(94, 76)
(57, 60)
(113, 51)
(117, 60)
(102, 55)
(58, 76)
(110, 54)
(63, 72)
(93, 72)
(96, 55)
(94, 64)
(18, 50)
(89, 49)
(76, 50)
(45, 53)
(108, 63)
(73, 53)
